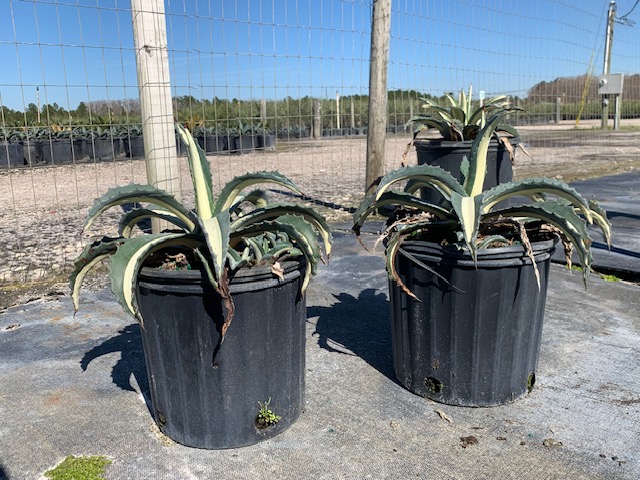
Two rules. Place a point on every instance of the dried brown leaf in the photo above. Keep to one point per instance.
(529, 250)
(443, 415)
(277, 270)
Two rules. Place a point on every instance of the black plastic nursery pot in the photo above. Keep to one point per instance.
(213, 143)
(57, 152)
(478, 345)
(11, 155)
(448, 155)
(266, 142)
(243, 144)
(205, 394)
(103, 148)
(134, 146)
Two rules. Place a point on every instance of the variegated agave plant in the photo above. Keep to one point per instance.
(472, 218)
(220, 234)
(460, 120)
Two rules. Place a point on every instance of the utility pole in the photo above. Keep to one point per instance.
(154, 86)
(337, 110)
(378, 96)
(607, 60)
(38, 100)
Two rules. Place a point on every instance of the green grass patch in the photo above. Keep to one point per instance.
(609, 278)
(79, 468)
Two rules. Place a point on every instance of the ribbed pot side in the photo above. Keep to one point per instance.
(478, 346)
(207, 395)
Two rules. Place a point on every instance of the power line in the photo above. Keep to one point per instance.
(627, 21)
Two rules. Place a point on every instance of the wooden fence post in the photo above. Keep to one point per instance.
(378, 96)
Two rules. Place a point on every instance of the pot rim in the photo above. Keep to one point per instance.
(489, 257)
(243, 279)
(441, 143)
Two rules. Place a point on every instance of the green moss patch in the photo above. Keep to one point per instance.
(79, 468)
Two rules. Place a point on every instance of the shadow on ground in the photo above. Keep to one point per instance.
(357, 326)
(129, 343)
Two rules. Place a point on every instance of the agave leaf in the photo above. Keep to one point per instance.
(491, 239)
(470, 132)
(560, 216)
(600, 218)
(273, 211)
(281, 249)
(452, 100)
(422, 175)
(394, 241)
(133, 193)
(438, 111)
(130, 219)
(304, 233)
(500, 100)
(257, 197)
(200, 174)
(129, 257)
(256, 248)
(370, 205)
(90, 256)
(441, 125)
(464, 167)
(532, 187)
(478, 157)
(476, 119)
(291, 226)
(207, 268)
(468, 211)
(457, 113)
(237, 260)
(216, 231)
(466, 102)
(505, 127)
(232, 189)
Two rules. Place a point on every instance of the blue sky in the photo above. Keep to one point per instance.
(82, 50)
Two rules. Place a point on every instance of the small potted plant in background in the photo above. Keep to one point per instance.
(468, 278)
(133, 140)
(458, 124)
(242, 139)
(235, 257)
(11, 147)
(265, 139)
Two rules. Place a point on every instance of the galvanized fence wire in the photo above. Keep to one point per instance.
(274, 85)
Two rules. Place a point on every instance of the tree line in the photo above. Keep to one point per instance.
(351, 111)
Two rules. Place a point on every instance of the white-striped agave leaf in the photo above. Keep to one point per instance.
(421, 176)
(369, 205)
(131, 218)
(294, 227)
(561, 216)
(127, 261)
(90, 256)
(275, 210)
(231, 191)
(134, 193)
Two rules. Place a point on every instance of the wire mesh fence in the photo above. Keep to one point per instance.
(283, 85)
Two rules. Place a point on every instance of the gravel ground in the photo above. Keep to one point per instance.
(45, 206)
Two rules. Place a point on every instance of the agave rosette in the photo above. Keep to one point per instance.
(471, 216)
(222, 234)
(459, 120)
